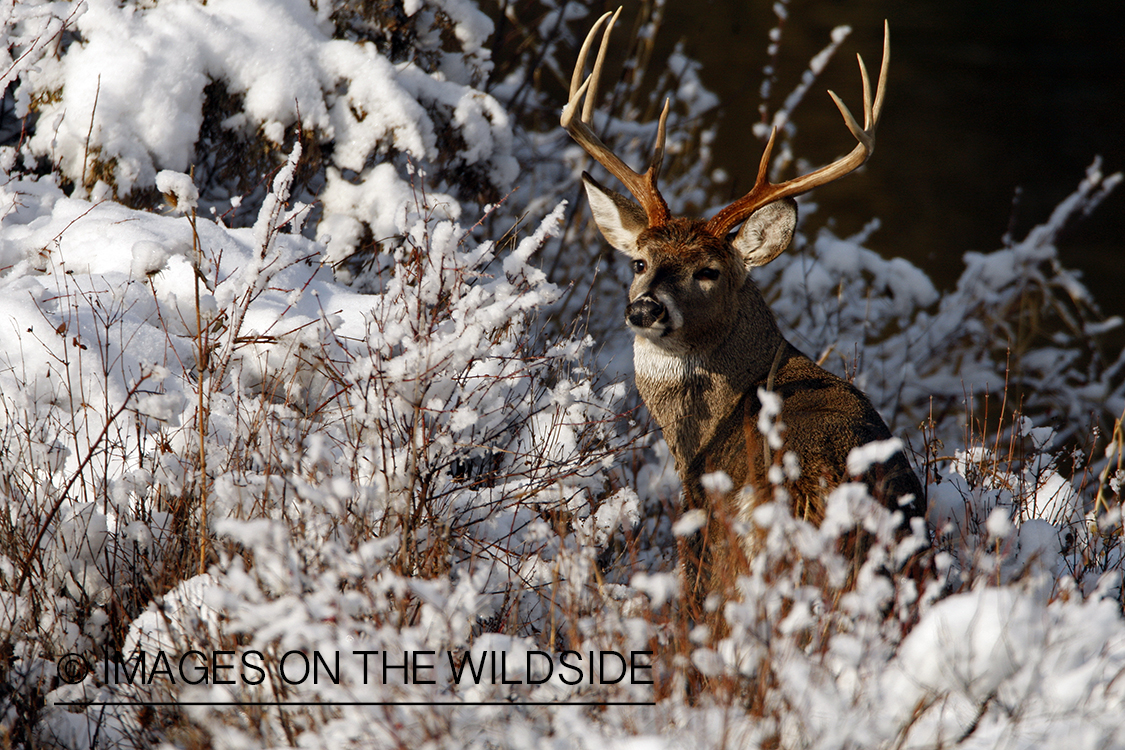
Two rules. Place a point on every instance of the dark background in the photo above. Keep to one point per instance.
(985, 99)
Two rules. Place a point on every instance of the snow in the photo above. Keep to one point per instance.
(133, 93)
(690, 522)
(876, 452)
(717, 482)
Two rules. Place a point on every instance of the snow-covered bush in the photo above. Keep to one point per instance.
(220, 89)
(385, 451)
(1017, 321)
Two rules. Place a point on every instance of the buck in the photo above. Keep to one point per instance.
(706, 342)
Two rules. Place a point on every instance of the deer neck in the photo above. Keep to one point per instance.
(694, 394)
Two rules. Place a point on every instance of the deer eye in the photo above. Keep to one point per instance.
(707, 274)
(639, 266)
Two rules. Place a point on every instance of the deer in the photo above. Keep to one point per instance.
(706, 344)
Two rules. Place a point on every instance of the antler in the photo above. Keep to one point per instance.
(765, 192)
(642, 186)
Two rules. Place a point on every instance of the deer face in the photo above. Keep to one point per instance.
(687, 282)
(683, 281)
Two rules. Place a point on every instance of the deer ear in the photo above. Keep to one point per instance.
(767, 233)
(620, 220)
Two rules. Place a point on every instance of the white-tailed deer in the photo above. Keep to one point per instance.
(706, 341)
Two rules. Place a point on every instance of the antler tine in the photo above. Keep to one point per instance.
(642, 186)
(596, 73)
(580, 66)
(881, 87)
(765, 192)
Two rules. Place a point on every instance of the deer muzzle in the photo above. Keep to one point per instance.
(645, 312)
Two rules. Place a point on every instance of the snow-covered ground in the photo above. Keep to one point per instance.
(333, 459)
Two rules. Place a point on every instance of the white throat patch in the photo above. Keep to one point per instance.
(653, 361)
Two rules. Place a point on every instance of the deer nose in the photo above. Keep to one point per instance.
(644, 311)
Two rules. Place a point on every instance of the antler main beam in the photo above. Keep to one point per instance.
(765, 192)
(642, 186)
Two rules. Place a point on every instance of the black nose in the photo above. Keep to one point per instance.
(643, 312)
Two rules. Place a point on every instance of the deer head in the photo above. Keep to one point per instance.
(688, 272)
